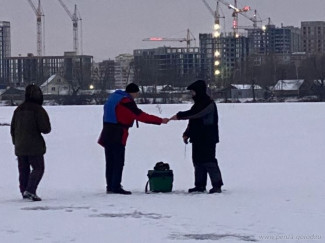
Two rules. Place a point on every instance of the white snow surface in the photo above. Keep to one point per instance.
(271, 157)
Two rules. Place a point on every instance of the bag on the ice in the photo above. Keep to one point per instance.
(160, 178)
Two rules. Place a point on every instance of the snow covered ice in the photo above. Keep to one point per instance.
(271, 157)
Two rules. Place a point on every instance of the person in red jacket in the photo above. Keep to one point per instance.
(120, 112)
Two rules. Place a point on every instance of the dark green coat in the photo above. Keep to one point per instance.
(28, 123)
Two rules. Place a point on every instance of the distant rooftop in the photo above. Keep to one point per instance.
(293, 84)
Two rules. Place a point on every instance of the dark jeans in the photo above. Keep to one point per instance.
(115, 155)
(28, 181)
(201, 171)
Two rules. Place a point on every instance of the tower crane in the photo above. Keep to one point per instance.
(75, 17)
(216, 16)
(241, 11)
(187, 39)
(235, 13)
(39, 15)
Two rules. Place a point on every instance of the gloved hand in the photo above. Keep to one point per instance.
(185, 139)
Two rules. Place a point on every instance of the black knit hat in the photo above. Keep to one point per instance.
(132, 88)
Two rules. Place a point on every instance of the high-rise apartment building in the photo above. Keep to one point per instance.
(313, 37)
(176, 66)
(273, 40)
(5, 51)
(123, 69)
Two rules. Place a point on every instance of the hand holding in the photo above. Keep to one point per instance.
(165, 120)
(185, 139)
(174, 117)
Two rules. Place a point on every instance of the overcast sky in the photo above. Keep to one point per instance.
(112, 27)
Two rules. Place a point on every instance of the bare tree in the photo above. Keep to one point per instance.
(313, 71)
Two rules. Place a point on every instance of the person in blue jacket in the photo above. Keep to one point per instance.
(120, 112)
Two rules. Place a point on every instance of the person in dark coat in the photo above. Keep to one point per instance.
(120, 112)
(28, 123)
(202, 131)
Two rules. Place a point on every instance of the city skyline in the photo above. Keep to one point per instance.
(111, 27)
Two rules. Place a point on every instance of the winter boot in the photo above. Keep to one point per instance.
(122, 191)
(215, 190)
(196, 189)
(31, 196)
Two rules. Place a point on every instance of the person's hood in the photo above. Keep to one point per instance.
(123, 93)
(200, 89)
(33, 94)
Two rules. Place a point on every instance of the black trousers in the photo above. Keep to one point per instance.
(205, 162)
(201, 171)
(115, 156)
(29, 180)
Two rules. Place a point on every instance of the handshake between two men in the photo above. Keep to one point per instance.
(166, 120)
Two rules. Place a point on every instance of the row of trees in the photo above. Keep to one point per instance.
(271, 70)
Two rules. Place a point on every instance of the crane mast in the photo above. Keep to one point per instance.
(75, 19)
(216, 36)
(39, 14)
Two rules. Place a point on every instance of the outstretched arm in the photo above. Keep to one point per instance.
(137, 114)
(193, 113)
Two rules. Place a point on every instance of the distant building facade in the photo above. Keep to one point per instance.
(313, 37)
(174, 66)
(76, 69)
(233, 52)
(124, 71)
(274, 40)
(5, 51)
(208, 46)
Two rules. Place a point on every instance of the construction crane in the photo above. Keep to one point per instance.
(75, 17)
(39, 15)
(241, 11)
(216, 16)
(235, 13)
(216, 34)
(187, 39)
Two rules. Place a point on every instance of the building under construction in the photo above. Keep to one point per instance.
(175, 66)
(313, 37)
(274, 40)
(76, 69)
(233, 51)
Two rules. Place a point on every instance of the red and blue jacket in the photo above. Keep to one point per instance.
(120, 112)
